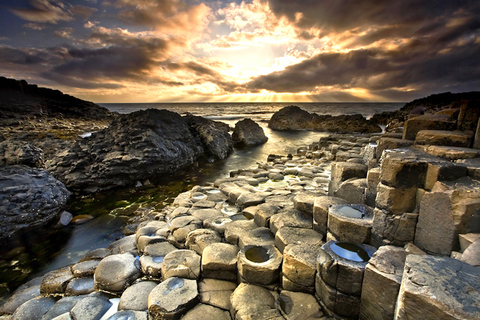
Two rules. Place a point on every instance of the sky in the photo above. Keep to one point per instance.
(243, 51)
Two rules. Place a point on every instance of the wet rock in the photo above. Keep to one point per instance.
(56, 281)
(299, 267)
(298, 305)
(204, 214)
(249, 299)
(287, 235)
(16, 152)
(135, 297)
(182, 264)
(97, 254)
(29, 197)
(64, 305)
(181, 226)
(381, 283)
(219, 261)
(217, 224)
(116, 272)
(91, 308)
(248, 133)
(152, 265)
(207, 312)
(216, 292)
(159, 249)
(172, 298)
(33, 309)
(438, 288)
(248, 199)
(80, 286)
(124, 245)
(259, 264)
(27, 291)
(85, 268)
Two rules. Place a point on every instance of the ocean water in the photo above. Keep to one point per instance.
(45, 250)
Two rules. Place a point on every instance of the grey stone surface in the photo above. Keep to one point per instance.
(135, 297)
(472, 254)
(92, 307)
(28, 197)
(206, 312)
(216, 292)
(248, 299)
(287, 235)
(182, 264)
(352, 190)
(34, 309)
(56, 281)
(22, 294)
(219, 261)
(393, 229)
(438, 288)
(64, 305)
(320, 211)
(172, 298)
(116, 272)
(199, 239)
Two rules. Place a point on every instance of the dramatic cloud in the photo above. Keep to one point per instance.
(51, 11)
(178, 50)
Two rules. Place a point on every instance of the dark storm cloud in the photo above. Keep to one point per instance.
(51, 11)
(435, 46)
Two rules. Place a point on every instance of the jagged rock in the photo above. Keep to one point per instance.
(214, 135)
(28, 197)
(248, 133)
(16, 152)
(352, 190)
(393, 229)
(396, 200)
(159, 140)
(438, 288)
(294, 118)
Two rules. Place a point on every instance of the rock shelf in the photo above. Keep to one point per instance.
(266, 243)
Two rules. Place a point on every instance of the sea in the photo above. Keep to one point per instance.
(49, 249)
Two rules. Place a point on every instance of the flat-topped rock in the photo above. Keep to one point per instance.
(452, 153)
(116, 272)
(438, 288)
(444, 138)
(427, 122)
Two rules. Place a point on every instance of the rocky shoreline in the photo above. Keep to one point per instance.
(354, 226)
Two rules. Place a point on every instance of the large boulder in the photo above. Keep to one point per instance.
(214, 135)
(248, 133)
(136, 146)
(28, 197)
(294, 118)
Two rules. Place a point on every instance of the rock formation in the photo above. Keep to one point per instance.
(29, 197)
(294, 118)
(248, 133)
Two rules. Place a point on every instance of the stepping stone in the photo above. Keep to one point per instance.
(97, 254)
(64, 305)
(234, 230)
(216, 292)
(249, 299)
(298, 305)
(219, 261)
(135, 297)
(206, 312)
(263, 213)
(34, 309)
(259, 264)
(217, 224)
(91, 307)
(287, 235)
(182, 264)
(56, 281)
(26, 292)
(116, 272)
(123, 245)
(198, 239)
(80, 286)
(320, 211)
(290, 218)
(258, 236)
(85, 268)
(443, 288)
(299, 267)
(172, 298)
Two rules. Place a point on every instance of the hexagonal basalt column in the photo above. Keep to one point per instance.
(340, 269)
(259, 264)
(350, 223)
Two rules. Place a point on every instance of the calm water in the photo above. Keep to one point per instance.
(44, 250)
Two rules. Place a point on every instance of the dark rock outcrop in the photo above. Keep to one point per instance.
(136, 146)
(18, 99)
(214, 135)
(294, 118)
(248, 133)
(29, 197)
(18, 152)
